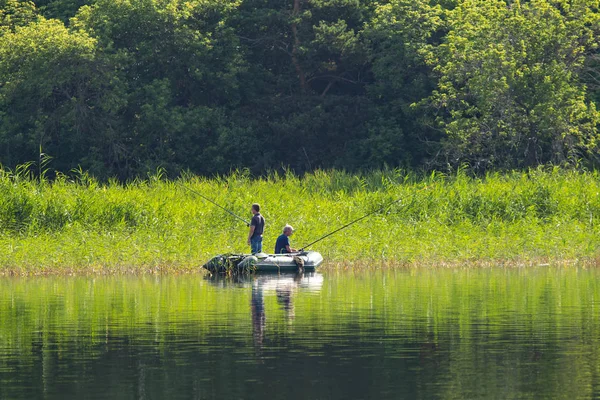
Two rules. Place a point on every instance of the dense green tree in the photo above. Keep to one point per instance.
(122, 87)
(60, 9)
(303, 94)
(401, 35)
(178, 65)
(54, 95)
(509, 91)
(14, 13)
(307, 47)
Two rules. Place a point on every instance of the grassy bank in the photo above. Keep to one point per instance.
(78, 224)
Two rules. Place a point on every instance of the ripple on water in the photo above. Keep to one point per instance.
(490, 333)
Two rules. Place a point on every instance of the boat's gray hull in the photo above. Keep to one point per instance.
(308, 261)
(288, 263)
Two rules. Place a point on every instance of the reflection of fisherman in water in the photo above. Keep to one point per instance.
(283, 285)
(284, 290)
(284, 296)
(259, 319)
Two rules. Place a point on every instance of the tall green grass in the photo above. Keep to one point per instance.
(78, 223)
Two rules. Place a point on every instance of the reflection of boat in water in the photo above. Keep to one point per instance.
(270, 283)
(235, 263)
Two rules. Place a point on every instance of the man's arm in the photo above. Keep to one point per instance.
(288, 248)
(252, 227)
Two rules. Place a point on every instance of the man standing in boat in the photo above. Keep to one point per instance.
(283, 241)
(257, 227)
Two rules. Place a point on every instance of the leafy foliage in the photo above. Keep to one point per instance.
(56, 94)
(124, 87)
(509, 88)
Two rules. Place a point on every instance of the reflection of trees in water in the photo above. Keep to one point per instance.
(420, 333)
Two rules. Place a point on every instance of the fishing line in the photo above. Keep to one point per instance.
(221, 207)
(361, 218)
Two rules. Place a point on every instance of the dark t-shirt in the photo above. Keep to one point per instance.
(258, 222)
(280, 244)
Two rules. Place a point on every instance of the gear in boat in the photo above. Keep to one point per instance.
(261, 262)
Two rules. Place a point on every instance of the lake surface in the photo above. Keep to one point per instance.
(414, 334)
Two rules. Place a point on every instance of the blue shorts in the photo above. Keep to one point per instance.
(256, 244)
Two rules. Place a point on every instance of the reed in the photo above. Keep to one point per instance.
(78, 224)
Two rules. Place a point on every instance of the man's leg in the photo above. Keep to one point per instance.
(259, 244)
(256, 244)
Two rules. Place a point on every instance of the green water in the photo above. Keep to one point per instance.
(442, 333)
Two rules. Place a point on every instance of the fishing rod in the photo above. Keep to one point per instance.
(221, 207)
(353, 222)
(359, 219)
